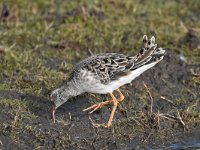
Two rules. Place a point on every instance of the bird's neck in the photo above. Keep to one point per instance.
(72, 88)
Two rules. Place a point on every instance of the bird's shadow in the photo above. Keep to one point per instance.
(42, 106)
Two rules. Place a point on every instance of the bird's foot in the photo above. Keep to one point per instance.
(97, 106)
(100, 105)
(109, 123)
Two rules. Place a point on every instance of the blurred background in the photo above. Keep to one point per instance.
(41, 40)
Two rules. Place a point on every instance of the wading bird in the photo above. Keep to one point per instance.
(105, 73)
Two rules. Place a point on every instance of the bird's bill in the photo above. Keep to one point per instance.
(53, 114)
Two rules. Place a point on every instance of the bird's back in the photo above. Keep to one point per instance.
(108, 67)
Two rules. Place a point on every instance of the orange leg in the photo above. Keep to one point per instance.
(115, 102)
(100, 105)
(121, 96)
(97, 106)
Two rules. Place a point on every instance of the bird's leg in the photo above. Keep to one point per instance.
(115, 102)
(121, 96)
(97, 106)
(100, 105)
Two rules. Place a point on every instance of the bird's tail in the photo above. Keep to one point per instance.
(148, 53)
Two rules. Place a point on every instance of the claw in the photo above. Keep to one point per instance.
(97, 107)
(91, 107)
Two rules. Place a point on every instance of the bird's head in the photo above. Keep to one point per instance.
(62, 94)
(58, 97)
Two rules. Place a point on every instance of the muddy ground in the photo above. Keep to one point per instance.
(39, 42)
(134, 125)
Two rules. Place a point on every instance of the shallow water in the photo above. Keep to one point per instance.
(192, 146)
(188, 142)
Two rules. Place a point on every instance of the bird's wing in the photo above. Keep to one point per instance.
(111, 66)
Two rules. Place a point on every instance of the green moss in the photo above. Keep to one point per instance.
(180, 101)
(14, 103)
